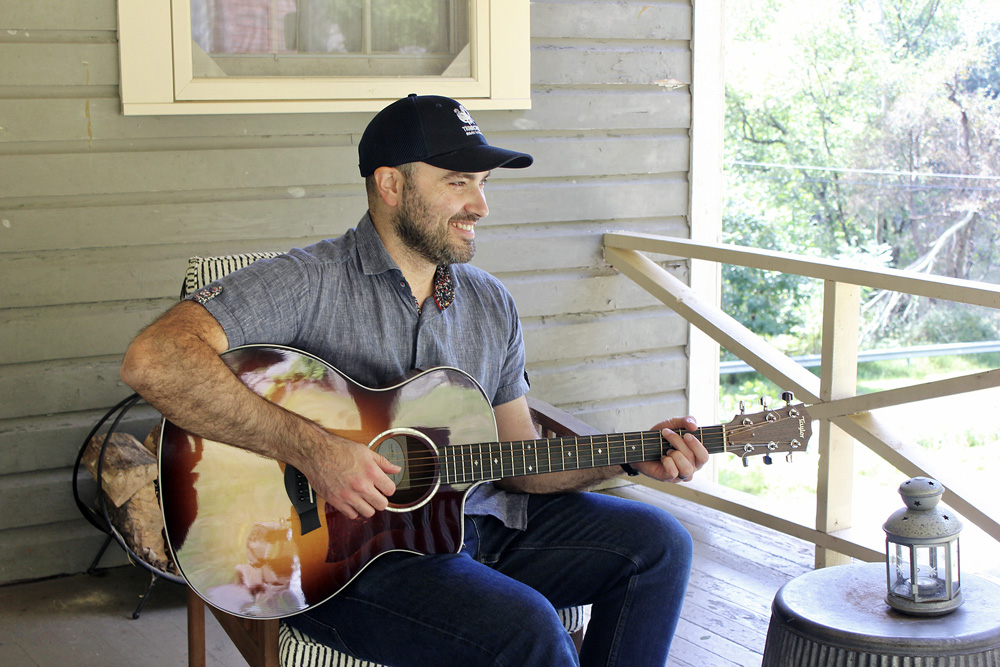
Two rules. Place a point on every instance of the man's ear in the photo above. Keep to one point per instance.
(389, 184)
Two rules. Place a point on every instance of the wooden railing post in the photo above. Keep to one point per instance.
(843, 417)
(838, 379)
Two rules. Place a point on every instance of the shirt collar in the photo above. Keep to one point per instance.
(375, 259)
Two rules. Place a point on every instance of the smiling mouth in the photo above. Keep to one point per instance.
(464, 226)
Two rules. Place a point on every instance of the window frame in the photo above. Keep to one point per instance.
(157, 69)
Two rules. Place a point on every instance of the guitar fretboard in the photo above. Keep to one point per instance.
(468, 464)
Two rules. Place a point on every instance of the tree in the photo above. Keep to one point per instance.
(865, 129)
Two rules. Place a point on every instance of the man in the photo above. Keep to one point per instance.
(396, 294)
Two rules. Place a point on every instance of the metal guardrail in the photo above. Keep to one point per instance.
(945, 349)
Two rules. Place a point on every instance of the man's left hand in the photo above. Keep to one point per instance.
(684, 460)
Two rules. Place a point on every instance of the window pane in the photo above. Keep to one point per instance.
(328, 26)
(411, 26)
(330, 37)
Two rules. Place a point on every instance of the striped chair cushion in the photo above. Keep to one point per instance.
(296, 649)
(203, 270)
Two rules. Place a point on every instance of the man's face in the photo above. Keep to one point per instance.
(438, 212)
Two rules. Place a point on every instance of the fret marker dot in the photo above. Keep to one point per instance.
(600, 451)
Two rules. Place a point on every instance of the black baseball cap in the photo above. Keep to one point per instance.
(432, 129)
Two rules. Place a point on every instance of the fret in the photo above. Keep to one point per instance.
(496, 469)
(544, 457)
(453, 463)
(636, 447)
(505, 461)
(652, 445)
(465, 451)
(601, 452)
(478, 463)
(569, 454)
(616, 449)
(715, 438)
(517, 458)
(633, 448)
(448, 463)
(453, 471)
(530, 457)
(586, 454)
(556, 455)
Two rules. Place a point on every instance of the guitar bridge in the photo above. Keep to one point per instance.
(300, 493)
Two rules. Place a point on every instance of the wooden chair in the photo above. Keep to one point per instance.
(269, 643)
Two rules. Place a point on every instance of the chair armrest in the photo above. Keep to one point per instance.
(557, 422)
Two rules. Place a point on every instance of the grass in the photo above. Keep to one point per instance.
(960, 435)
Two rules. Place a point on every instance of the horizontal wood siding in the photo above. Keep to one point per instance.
(99, 213)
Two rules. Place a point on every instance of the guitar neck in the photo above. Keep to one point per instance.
(468, 464)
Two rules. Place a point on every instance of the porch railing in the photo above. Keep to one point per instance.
(843, 416)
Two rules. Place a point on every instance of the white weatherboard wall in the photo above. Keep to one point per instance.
(99, 212)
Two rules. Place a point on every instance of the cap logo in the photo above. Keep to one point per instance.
(469, 126)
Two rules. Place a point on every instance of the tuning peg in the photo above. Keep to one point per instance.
(767, 459)
(788, 457)
(764, 400)
(787, 397)
(743, 407)
(746, 462)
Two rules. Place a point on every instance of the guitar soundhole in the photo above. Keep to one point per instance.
(419, 477)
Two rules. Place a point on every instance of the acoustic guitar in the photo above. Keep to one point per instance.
(251, 538)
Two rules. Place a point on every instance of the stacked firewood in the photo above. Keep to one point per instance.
(129, 485)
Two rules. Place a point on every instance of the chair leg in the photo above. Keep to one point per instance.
(196, 629)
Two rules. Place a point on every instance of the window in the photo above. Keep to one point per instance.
(260, 56)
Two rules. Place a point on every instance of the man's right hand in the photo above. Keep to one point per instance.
(349, 476)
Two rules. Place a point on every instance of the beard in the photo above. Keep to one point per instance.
(413, 225)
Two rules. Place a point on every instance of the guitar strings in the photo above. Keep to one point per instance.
(464, 462)
(645, 439)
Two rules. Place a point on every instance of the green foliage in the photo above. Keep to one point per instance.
(982, 76)
(770, 303)
(838, 117)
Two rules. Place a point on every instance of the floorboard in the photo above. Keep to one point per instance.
(737, 569)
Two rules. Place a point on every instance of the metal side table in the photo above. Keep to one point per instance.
(837, 617)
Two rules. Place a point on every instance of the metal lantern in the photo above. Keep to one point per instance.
(921, 547)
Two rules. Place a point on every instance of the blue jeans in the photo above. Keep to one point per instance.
(494, 602)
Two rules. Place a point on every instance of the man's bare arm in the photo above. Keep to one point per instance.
(175, 365)
(514, 423)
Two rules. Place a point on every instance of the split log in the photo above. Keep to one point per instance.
(152, 441)
(140, 523)
(128, 466)
(129, 485)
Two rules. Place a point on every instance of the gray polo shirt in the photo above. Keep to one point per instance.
(346, 301)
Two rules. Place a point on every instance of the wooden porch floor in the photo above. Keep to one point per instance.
(85, 620)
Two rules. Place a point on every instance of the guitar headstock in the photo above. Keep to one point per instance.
(772, 430)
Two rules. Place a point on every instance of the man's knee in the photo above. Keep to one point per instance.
(666, 541)
(531, 633)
